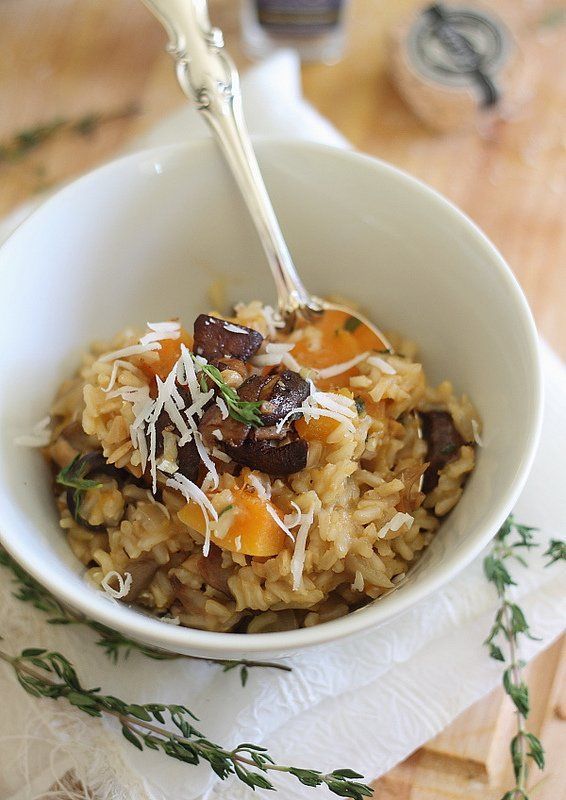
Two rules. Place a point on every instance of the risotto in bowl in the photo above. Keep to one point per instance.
(238, 478)
(208, 482)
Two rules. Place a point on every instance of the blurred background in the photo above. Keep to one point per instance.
(97, 71)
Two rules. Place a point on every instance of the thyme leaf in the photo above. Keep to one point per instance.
(113, 643)
(169, 728)
(503, 641)
(244, 411)
(24, 141)
(73, 474)
(556, 551)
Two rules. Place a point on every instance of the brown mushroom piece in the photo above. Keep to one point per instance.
(212, 571)
(235, 365)
(279, 394)
(233, 432)
(142, 570)
(269, 457)
(443, 442)
(188, 458)
(280, 397)
(215, 339)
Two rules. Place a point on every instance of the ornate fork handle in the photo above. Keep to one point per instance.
(208, 76)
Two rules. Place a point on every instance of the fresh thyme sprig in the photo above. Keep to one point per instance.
(29, 139)
(112, 642)
(509, 625)
(556, 551)
(48, 674)
(245, 411)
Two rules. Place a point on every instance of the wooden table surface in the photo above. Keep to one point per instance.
(68, 58)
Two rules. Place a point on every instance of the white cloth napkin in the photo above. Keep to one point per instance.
(364, 704)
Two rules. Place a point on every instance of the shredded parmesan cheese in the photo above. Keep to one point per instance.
(338, 369)
(161, 330)
(298, 557)
(358, 584)
(234, 328)
(398, 520)
(132, 350)
(191, 491)
(263, 491)
(170, 467)
(292, 520)
(476, 431)
(170, 620)
(119, 363)
(220, 455)
(276, 518)
(124, 584)
(324, 404)
(290, 362)
(381, 364)
(272, 354)
(273, 321)
(221, 403)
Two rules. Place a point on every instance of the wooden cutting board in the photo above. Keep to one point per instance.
(68, 58)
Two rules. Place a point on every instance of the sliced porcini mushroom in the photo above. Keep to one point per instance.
(212, 571)
(232, 431)
(286, 393)
(272, 432)
(266, 456)
(215, 339)
(234, 365)
(257, 387)
(142, 570)
(443, 443)
(188, 458)
(279, 394)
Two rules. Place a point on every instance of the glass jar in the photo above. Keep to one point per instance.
(314, 28)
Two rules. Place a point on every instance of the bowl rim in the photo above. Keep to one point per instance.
(180, 639)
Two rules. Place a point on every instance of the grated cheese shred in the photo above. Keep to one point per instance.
(124, 584)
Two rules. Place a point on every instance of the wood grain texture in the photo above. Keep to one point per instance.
(66, 58)
(470, 759)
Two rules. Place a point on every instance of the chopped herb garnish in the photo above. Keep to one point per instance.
(168, 728)
(352, 323)
(503, 641)
(73, 476)
(243, 410)
(29, 139)
(113, 643)
(360, 405)
(224, 510)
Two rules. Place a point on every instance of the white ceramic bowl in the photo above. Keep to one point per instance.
(143, 237)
